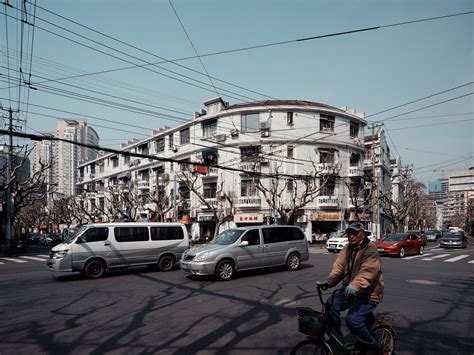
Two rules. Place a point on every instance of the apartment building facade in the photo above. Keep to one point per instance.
(281, 138)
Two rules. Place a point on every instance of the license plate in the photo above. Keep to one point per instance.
(381, 250)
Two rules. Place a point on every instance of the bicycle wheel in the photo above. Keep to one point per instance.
(311, 347)
(386, 338)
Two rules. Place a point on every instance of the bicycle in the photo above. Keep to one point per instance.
(314, 325)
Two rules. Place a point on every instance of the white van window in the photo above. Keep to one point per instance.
(95, 235)
(131, 234)
(252, 236)
(166, 233)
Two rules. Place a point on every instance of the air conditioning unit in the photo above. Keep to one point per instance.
(221, 138)
(265, 125)
(234, 132)
(265, 133)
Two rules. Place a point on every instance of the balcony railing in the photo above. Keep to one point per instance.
(211, 201)
(250, 166)
(359, 201)
(328, 202)
(143, 184)
(249, 201)
(327, 168)
(355, 171)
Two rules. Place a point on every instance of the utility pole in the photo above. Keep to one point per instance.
(373, 188)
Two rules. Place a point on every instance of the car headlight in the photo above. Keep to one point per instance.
(59, 254)
(202, 257)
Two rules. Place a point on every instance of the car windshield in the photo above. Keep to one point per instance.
(431, 232)
(227, 237)
(76, 232)
(394, 237)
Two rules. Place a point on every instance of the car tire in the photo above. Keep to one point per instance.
(94, 269)
(293, 262)
(401, 252)
(166, 263)
(225, 270)
(422, 250)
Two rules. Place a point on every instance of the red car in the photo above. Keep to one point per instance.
(400, 244)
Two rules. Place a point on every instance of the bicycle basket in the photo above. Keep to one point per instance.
(311, 322)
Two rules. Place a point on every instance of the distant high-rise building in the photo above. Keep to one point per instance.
(65, 157)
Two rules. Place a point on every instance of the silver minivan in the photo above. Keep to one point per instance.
(94, 248)
(247, 248)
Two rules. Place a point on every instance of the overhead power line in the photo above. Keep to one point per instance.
(417, 100)
(433, 124)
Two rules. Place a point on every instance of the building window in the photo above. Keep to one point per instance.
(250, 153)
(183, 192)
(289, 151)
(160, 145)
(209, 128)
(326, 123)
(250, 122)
(290, 186)
(289, 118)
(354, 159)
(171, 141)
(248, 188)
(354, 130)
(210, 190)
(184, 136)
(143, 149)
(328, 188)
(326, 156)
(115, 161)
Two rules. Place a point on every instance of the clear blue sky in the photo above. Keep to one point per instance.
(370, 71)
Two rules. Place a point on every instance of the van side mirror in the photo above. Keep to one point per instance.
(80, 240)
(244, 243)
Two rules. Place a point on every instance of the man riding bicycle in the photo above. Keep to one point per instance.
(359, 268)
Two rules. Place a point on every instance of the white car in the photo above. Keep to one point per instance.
(335, 244)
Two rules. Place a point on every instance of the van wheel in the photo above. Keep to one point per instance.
(94, 269)
(166, 263)
(225, 270)
(293, 262)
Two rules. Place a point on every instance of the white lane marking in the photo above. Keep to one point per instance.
(417, 256)
(1, 263)
(31, 258)
(471, 262)
(44, 256)
(436, 257)
(15, 260)
(452, 260)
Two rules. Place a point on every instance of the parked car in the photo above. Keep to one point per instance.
(433, 235)
(421, 235)
(34, 238)
(453, 240)
(400, 244)
(45, 240)
(56, 238)
(247, 248)
(336, 243)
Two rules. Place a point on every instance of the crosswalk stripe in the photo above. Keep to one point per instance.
(31, 258)
(436, 257)
(1, 263)
(45, 256)
(452, 260)
(418, 256)
(15, 260)
(471, 262)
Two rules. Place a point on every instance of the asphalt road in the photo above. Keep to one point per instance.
(150, 312)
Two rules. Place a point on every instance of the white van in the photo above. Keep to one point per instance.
(94, 248)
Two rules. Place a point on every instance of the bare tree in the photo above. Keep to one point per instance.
(25, 190)
(287, 195)
(360, 195)
(221, 205)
